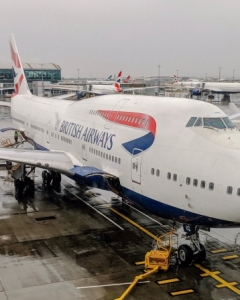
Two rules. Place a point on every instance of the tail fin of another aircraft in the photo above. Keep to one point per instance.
(175, 79)
(109, 78)
(126, 79)
(20, 82)
(119, 76)
(118, 87)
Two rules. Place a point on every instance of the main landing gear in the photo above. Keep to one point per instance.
(51, 179)
(193, 252)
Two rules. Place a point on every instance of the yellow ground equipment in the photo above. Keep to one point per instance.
(160, 258)
(165, 249)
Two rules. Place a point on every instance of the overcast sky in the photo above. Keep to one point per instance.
(101, 37)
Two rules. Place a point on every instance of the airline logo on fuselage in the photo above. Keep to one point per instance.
(105, 139)
(133, 120)
(88, 134)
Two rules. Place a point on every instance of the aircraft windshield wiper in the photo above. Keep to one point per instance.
(210, 127)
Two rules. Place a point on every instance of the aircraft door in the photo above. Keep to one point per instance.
(48, 131)
(136, 165)
(84, 151)
(113, 114)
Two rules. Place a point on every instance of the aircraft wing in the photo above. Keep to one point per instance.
(214, 90)
(50, 160)
(234, 111)
(140, 88)
(5, 103)
(65, 96)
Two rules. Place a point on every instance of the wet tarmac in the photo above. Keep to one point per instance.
(74, 243)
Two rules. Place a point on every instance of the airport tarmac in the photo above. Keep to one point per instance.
(82, 244)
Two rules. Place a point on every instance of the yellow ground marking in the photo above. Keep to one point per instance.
(182, 292)
(229, 257)
(221, 285)
(223, 282)
(218, 251)
(137, 263)
(168, 281)
(135, 224)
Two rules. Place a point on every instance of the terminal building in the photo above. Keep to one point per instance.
(34, 72)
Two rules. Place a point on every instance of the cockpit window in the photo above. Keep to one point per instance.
(214, 122)
(198, 122)
(228, 122)
(191, 122)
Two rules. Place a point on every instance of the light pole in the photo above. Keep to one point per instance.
(42, 77)
(159, 79)
(233, 74)
(78, 79)
(219, 73)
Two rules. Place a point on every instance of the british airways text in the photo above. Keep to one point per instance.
(89, 135)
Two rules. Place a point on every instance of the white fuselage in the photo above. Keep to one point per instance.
(224, 87)
(104, 89)
(84, 131)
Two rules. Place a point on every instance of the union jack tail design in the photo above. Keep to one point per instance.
(175, 79)
(126, 79)
(20, 82)
(118, 87)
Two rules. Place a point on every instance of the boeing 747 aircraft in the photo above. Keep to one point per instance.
(177, 158)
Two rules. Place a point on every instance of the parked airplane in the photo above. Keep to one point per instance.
(185, 84)
(225, 88)
(108, 81)
(177, 158)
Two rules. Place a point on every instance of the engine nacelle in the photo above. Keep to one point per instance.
(196, 92)
(81, 95)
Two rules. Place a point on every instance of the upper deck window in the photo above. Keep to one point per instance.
(214, 122)
(228, 122)
(191, 122)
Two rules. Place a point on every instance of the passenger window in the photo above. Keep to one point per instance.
(119, 161)
(191, 122)
(103, 155)
(115, 159)
(168, 175)
(211, 186)
(195, 182)
(106, 156)
(157, 173)
(109, 157)
(198, 122)
(238, 192)
(174, 177)
(112, 158)
(133, 166)
(152, 171)
(229, 190)
(188, 180)
(203, 184)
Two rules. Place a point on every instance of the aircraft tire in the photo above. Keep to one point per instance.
(201, 256)
(185, 255)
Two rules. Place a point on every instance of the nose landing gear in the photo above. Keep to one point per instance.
(51, 179)
(195, 251)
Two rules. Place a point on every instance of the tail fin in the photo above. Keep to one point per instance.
(175, 79)
(126, 79)
(118, 87)
(109, 78)
(20, 82)
(119, 76)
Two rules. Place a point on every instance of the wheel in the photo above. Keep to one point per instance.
(19, 185)
(185, 255)
(31, 187)
(56, 177)
(201, 256)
